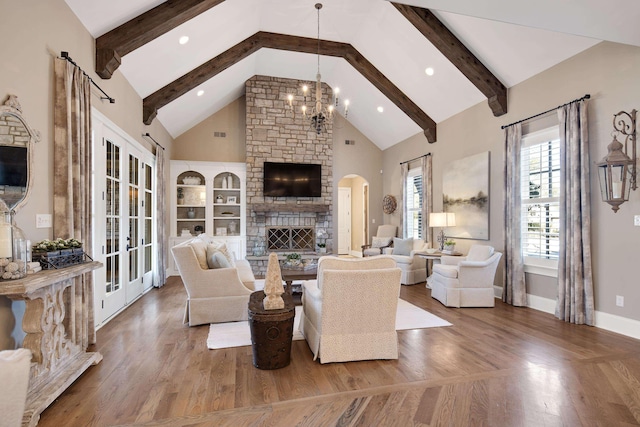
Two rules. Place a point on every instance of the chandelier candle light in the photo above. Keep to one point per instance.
(319, 115)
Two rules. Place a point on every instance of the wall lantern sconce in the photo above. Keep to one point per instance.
(617, 171)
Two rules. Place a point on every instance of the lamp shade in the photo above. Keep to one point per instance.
(442, 219)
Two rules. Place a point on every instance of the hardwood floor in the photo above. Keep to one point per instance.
(501, 366)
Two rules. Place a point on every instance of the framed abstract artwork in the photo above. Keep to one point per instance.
(465, 192)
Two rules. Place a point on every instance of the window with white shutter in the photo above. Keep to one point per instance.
(413, 203)
(540, 193)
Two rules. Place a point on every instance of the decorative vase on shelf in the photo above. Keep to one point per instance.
(229, 181)
(224, 182)
(191, 213)
(233, 227)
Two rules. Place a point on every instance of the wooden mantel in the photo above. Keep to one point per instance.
(58, 322)
(288, 207)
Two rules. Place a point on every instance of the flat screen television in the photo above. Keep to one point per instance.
(292, 179)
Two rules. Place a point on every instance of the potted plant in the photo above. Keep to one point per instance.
(293, 259)
(322, 248)
(449, 245)
(180, 195)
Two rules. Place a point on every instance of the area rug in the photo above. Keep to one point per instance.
(236, 334)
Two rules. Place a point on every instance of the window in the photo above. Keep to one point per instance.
(413, 203)
(540, 194)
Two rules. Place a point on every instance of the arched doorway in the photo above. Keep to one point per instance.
(353, 214)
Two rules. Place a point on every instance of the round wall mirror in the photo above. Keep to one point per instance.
(16, 140)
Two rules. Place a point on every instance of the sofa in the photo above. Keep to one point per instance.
(218, 285)
(404, 253)
(349, 312)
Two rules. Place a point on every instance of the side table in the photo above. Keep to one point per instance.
(271, 332)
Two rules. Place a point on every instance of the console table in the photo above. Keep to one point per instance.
(58, 322)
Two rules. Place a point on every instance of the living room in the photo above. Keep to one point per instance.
(608, 71)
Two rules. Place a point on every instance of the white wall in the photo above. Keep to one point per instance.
(610, 72)
(33, 34)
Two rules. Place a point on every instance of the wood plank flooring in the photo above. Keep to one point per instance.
(501, 366)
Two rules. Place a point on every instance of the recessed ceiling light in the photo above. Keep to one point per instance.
(200, 93)
(380, 109)
(184, 39)
(429, 71)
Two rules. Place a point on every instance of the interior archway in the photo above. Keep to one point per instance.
(353, 215)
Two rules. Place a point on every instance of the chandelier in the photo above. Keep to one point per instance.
(319, 115)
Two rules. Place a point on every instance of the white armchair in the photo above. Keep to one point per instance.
(14, 377)
(383, 239)
(466, 281)
(214, 295)
(414, 268)
(349, 312)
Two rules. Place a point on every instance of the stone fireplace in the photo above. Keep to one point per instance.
(276, 134)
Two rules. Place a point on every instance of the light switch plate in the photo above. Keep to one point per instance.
(43, 220)
(636, 220)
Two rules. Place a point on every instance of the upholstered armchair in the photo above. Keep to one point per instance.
(349, 312)
(404, 252)
(216, 290)
(383, 239)
(14, 377)
(466, 281)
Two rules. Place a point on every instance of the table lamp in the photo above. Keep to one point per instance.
(442, 219)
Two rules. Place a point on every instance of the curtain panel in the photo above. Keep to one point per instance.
(72, 181)
(514, 288)
(427, 196)
(161, 201)
(575, 302)
(404, 170)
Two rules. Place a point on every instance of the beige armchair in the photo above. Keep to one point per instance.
(14, 377)
(214, 295)
(383, 239)
(404, 252)
(466, 281)
(349, 312)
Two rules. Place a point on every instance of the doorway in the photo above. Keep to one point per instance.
(123, 209)
(355, 212)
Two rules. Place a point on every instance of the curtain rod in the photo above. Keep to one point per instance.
(587, 96)
(150, 137)
(65, 55)
(416, 158)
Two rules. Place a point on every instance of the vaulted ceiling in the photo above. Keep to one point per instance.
(376, 51)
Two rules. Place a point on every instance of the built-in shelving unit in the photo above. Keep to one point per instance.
(208, 197)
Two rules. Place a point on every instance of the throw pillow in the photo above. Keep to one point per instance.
(222, 248)
(218, 260)
(200, 248)
(380, 242)
(402, 246)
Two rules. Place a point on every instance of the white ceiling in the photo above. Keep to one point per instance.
(515, 40)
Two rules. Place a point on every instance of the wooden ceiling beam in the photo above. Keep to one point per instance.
(209, 69)
(142, 29)
(458, 54)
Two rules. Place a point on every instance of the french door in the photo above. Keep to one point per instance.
(123, 220)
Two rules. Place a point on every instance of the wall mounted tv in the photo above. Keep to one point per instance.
(292, 179)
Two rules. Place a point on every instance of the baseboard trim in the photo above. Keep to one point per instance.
(610, 322)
